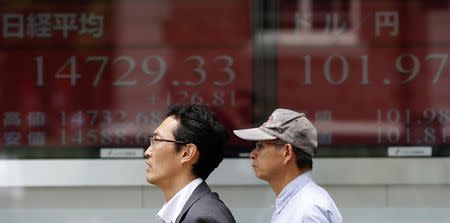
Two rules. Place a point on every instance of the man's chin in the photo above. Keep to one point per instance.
(260, 175)
(257, 175)
(150, 180)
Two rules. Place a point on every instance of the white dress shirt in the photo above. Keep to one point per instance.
(171, 209)
(303, 201)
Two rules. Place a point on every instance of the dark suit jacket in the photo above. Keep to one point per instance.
(204, 206)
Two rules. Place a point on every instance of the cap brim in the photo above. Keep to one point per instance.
(253, 134)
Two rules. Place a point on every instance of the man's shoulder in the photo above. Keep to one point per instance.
(314, 195)
(209, 208)
(211, 203)
(315, 203)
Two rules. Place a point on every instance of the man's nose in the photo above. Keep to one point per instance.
(147, 152)
(253, 154)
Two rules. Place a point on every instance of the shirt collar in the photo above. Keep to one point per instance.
(290, 189)
(171, 209)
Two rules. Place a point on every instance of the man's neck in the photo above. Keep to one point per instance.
(175, 185)
(283, 179)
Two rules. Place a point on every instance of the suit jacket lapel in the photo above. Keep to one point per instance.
(199, 192)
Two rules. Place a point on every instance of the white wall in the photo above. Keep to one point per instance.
(366, 190)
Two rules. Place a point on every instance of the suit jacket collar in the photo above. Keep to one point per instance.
(199, 192)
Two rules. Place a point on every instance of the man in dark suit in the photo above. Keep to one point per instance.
(184, 149)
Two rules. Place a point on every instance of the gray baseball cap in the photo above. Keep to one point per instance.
(287, 125)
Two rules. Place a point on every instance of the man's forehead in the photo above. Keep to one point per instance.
(167, 127)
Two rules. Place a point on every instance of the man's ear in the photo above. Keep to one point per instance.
(189, 154)
(288, 153)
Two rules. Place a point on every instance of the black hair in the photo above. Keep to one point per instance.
(302, 159)
(198, 125)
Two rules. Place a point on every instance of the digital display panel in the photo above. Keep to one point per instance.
(96, 74)
(367, 73)
(100, 74)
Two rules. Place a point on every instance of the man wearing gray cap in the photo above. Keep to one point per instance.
(285, 145)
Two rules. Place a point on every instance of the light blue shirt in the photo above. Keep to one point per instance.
(303, 201)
